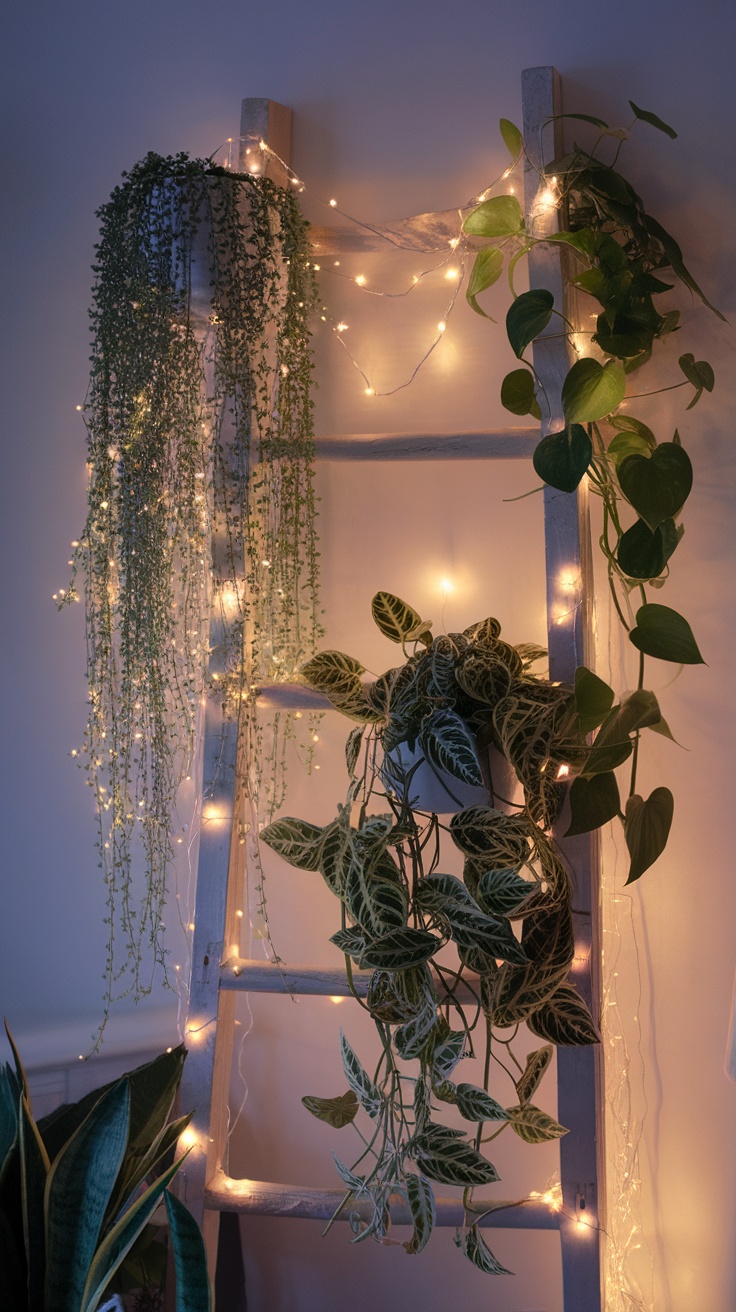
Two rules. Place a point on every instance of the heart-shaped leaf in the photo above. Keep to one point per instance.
(533, 1125)
(501, 216)
(593, 699)
(394, 617)
(486, 270)
(527, 317)
(593, 802)
(643, 554)
(657, 485)
(663, 632)
(561, 459)
(564, 1019)
(513, 139)
(518, 394)
(591, 390)
(627, 444)
(699, 373)
(337, 1112)
(647, 827)
(646, 116)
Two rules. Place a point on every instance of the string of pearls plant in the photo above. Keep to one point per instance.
(201, 501)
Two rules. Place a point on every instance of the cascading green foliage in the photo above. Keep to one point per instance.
(429, 937)
(200, 445)
(620, 260)
(79, 1188)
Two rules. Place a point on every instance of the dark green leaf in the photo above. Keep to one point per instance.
(118, 1242)
(593, 699)
(362, 1085)
(352, 748)
(394, 617)
(564, 1019)
(400, 950)
(627, 444)
(453, 1161)
(533, 1125)
(636, 711)
(435, 892)
(674, 255)
(476, 1249)
(413, 1037)
(477, 1105)
(297, 841)
(536, 1064)
(486, 270)
(503, 892)
(585, 118)
(657, 485)
(647, 117)
(593, 802)
(561, 459)
(9, 1102)
(591, 390)
(527, 317)
(647, 827)
(448, 1051)
(34, 1168)
(643, 554)
(449, 745)
(421, 1202)
(501, 216)
(193, 1293)
(628, 424)
(350, 941)
(666, 634)
(518, 395)
(700, 374)
(470, 928)
(337, 1112)
(338, 676)
(512, 137)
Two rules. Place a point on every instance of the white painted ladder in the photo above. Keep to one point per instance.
(215, 977)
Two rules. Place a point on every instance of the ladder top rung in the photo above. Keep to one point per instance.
(496, 444)
(247, 976)
(261, 1198)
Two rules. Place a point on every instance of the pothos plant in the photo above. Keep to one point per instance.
(200, 445)
(620, 260)
(449, 976)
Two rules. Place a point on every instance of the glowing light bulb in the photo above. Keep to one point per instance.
(336, 999)
(447, 585)
(188, 1137)
(191, 926)
(316, 267)
(563, 772)
(415, 279)
(333, 203)
(369, 391)
(78, 407)
(239, 914)
(441, 326)
(360, 280)
(452, 275)
(454, 242)
(483, 195)
(567, 580)
(297, 715)
(341, 328)
(315, 737)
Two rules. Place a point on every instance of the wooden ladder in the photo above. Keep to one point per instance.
(216, 976)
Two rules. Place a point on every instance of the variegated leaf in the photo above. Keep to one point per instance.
(564, 1019)
(470, 928)
(394, 617)
(356, 1183)
(484, 633)
(533, 1125)
(338, 676)
(376, 903)
(296, 841)
(337, 1112)
(482, 831)
(421, 1202)
(436, 891)
(477, 1105)
(476, 1249)
(369, 1096)
(447, 1053)
(400, 949)
(453, 1161)
(350, 941)
(413, 1037)
(448, 745)
(352, 748)
(536, 1064)
(503, 892)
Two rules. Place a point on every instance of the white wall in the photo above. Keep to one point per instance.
(396, 109)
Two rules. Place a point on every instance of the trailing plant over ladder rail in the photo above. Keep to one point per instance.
(200, 444)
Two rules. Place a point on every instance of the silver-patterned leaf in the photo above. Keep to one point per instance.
(374, 902)
(533, 1125)
(471, 928)
(338, 676)
(337, 1112)
(503, 892)
(352, 748)
(453, 1161)
(421, 1202)
(564, 1019)
(351, 941)
(296, 841)
(476, 1249)
(483, 831)
(354, 1182)
(536, 1064)
(362, 1085)
(434, 892)
(413, 1037)
(447, 1053)
(477, 1105)
(394, 617)
(400, 949)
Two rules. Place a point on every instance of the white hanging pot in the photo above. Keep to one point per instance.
(431, 789)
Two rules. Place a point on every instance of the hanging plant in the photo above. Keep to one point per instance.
(621, 258)
(200, 444)
(468, 709)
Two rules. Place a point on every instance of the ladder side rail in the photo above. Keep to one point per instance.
(568, 550)
(221, 865)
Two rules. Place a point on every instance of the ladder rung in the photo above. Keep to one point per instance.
(265, 977)
(291, 697)
(261, 1198)
(499, 444)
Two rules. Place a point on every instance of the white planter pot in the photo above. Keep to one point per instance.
(438, 791)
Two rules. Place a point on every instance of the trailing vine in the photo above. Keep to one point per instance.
(201, 502)
(619, 253)
(450, 978)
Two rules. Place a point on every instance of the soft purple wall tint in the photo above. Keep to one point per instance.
(396, 107)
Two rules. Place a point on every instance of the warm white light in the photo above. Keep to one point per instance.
(447, 585)
(315, 737)
(191, 925)
(563, 772)
(336, 999)
(297, 715)
(333, 203)
(567, 580)
(239, 914)
(266, 564)
(341, 328)
(316, 267)
(360, 280)
(78, 407)
(454, 241)
(441, 326)
(369, 391)
(188, 1137)
(452, 275)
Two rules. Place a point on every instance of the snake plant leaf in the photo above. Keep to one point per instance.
(593, 802)
(297, 841)
(657, 485)
(647, 827)
(486, 270)
(452, 1161)
(664, 633)
(400, 949)
(118, 1242)
(78, 1189)
(518, 394)
(513, 140)
(561, 459)
(647, 116)
(12, 1266)
(337, 1112)
(394, 617)
(591, 390)
(9, 1103)
(533, 1125)
(19, 1070)
(476, 1105)
(503, 892)
(420, 1197)
(448, 745)
(593, 699)
(527, 317)
(536, 1065)
(564, 1019)
(368, 1095)
(139, 1165)
(193, 1291)
(643, 554)
(477, 1251)
(34, 1168)
(501, 216)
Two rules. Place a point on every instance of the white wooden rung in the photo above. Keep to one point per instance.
(261, 1198)
(247, 976)
(497, 444)
(291, 697)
